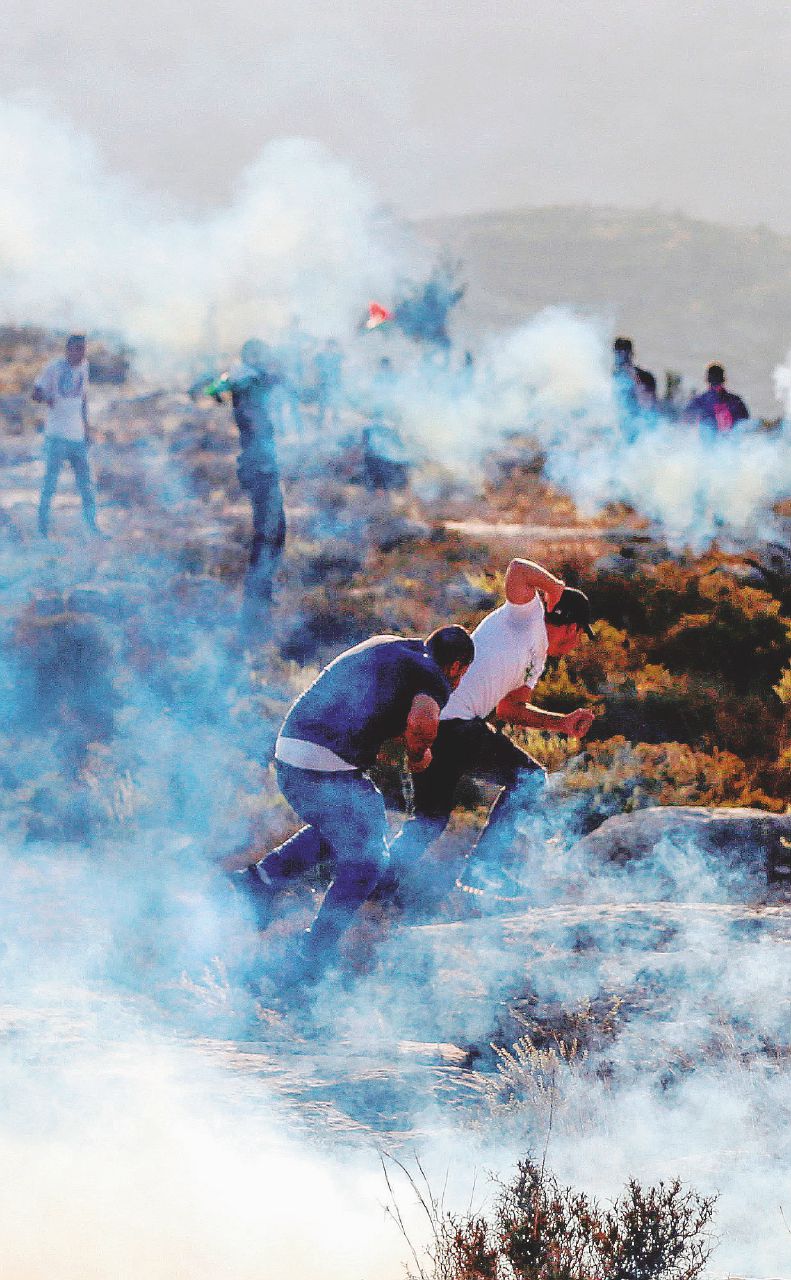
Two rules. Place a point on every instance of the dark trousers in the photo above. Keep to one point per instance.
(269, 526)
(469, 747)
(347, 826)
(58, 450)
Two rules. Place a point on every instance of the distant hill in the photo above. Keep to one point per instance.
(687, 292)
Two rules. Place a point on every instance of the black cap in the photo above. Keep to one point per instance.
(573, 606)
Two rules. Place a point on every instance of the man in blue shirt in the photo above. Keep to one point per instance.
(251, 384)
(382, 689)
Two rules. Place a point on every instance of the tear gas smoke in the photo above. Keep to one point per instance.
(134, 1156)
(551, 381)
(142, 1073)
(82, 247)
(782, 386)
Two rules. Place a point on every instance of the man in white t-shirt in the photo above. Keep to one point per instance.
(541, 618)
(63, 387)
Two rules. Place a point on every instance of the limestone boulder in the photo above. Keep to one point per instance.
(752, 839)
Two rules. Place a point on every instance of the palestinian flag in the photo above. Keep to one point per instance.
(377, 314)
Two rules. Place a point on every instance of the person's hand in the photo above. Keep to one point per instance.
(577, 723)
(552, 593)
(421, 763)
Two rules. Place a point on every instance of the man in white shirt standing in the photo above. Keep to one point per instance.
(63, 387)
(541, 618)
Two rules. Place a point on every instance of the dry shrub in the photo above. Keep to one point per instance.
(540, 1230)
(528, 1071)
(618, 777)
(783, 687)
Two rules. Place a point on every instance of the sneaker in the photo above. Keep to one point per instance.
(495, 883)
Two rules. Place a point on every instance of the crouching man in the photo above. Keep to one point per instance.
(382, 689)
(541, 618)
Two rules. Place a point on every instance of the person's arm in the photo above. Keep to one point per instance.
(421, 730)
(214, 387)
(516, 708)
(41, 392)
(85, 421)
(692, 410)
(524, 579)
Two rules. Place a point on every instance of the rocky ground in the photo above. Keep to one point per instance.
(648, 960)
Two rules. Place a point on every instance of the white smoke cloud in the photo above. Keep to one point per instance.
(782, 385)
(81, 247)
(551, 380)
(135, 1157)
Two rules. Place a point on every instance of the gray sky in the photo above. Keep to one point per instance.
(445, 107)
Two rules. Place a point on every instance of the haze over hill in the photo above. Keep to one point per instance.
(687, 291)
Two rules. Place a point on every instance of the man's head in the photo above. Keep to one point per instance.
(623, 352)
(255, 353)
(75, 348)
(715, 375)
(568, 622)
(453, 650)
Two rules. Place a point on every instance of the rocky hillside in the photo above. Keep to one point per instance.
(634, 1001)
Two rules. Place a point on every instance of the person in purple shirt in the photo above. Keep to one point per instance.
(717, 408)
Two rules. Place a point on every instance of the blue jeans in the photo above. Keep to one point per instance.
(58, 450)
(474, 748)
(347, 827)
(262, 483)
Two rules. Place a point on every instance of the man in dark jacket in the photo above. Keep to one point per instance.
(382, 689)
(718, 409)
(634, 387)
(251, 384)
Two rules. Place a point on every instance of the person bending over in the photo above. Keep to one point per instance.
(382, 689)
(541, 618)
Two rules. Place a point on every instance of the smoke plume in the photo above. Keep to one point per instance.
(81, 247)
